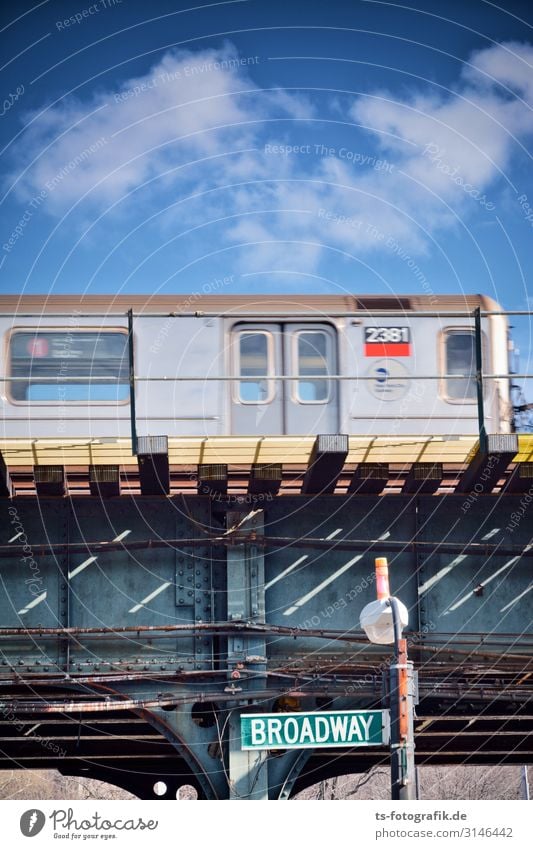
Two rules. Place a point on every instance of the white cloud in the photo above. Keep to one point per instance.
(465, 138)
(205, 106)
(509, 64)
(189, 106)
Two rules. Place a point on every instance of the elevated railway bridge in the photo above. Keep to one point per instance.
(147, 601)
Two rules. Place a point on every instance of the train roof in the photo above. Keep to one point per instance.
(237, 304)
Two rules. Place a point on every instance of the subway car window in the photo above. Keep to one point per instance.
(57, 354)
(461, 359)
(255, 365)
(312, 360)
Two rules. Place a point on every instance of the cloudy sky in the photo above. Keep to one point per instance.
(359, 146)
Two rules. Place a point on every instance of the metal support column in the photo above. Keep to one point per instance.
(247, 771)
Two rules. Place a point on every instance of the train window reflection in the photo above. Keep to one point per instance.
(41, 360)
(312, 360)
(255, 364)
(461, 359)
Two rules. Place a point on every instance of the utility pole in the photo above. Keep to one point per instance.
(383, 621)
(401, 696)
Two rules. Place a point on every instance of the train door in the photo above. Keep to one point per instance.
(312, 401)
(261, 402)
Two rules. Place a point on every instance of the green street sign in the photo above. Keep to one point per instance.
(320, 729)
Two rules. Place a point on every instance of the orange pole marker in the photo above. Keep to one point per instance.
(382, 578)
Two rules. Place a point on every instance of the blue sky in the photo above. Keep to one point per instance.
(314, 147)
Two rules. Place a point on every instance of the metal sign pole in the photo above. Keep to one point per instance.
(525, 783)
(383, 621)
(403, 775)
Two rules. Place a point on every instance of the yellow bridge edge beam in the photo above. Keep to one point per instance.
(245, 450)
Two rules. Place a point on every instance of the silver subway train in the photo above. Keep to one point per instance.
(257, 364)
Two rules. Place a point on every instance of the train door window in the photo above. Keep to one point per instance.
(39, 360)
(460, 358)
(312, 360)
(255, 367)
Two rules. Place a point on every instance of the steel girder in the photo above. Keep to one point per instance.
(260, 604)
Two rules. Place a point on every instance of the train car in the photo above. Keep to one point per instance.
(256, 364)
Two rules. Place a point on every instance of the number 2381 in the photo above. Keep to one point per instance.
(387, 334)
